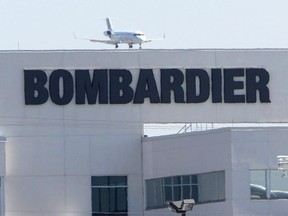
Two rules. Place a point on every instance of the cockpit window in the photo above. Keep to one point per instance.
(139, 34)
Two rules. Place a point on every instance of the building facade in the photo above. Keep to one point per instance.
(229, 171)
(72, 141)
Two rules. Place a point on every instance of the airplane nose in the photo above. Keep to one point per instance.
(142, 37)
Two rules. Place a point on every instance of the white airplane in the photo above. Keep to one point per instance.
(126, 37)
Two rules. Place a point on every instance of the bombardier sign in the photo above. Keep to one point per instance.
(113, 86)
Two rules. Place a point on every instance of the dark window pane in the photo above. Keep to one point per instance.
(99, 214)
(95, 200)
(168, 181)
(185, 179)
(194, 179)
(168, 193)
(186, 192)
(104, 200)
(176, 180)
(195, 193)
(118, 214)
(177, 193)
(112, 199)
(117, 181)
(158, 193)
(121, 200)
(99, 181)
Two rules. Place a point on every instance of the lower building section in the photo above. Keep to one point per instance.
(228, 172)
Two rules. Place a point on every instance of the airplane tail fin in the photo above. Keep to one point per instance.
(109, 24)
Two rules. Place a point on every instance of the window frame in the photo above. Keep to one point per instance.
(109, 186)
(170, 182)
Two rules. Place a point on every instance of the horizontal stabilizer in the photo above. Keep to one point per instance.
(153, 39)
(96, 40)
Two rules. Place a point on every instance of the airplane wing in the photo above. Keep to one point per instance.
(103, 41)
(96, 40)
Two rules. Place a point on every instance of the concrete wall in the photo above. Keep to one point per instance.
(49, 173)
(2, 173)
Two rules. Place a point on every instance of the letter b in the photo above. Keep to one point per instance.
(34, 87)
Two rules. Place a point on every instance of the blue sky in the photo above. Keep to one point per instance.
(49, 24)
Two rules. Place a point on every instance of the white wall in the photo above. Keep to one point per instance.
(51, 174)
(181, 154)
(2, 173)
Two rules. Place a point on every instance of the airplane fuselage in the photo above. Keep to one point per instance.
(128, 37)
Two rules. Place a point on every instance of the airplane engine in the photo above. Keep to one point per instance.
(107, 33)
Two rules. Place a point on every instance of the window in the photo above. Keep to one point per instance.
(211, 186)
(278, 185)
(258, 184)
(268, 184)
(138, 34)
(206, 187)
(109, 195)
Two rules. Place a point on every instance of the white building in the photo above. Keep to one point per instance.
(72, 143)
(226, 171)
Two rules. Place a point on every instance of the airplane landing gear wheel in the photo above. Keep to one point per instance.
(116, 46)
(130, 46)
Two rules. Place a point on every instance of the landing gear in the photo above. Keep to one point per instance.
(130, 46)
(140, 47)
(116, 46)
